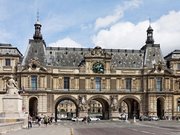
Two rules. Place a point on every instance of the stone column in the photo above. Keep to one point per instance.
(114, 108)
(82, 106)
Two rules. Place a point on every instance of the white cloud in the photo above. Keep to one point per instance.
(66, 42)
(103, 22)
(127, 35)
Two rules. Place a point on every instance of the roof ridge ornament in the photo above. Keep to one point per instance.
(37, 25)
(150, 39)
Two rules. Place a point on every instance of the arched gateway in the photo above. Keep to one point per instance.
(66, 98)
(160, 107)
(104, 103)
(103, 109)
(130, 105)
(33, 106)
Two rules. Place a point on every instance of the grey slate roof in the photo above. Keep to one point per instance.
(8, 50)
(127, 58)
(147, 56)
(72, 57)
(173, 55)
(153, 55)
(36, 49)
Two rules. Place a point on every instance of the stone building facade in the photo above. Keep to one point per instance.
(138, 82)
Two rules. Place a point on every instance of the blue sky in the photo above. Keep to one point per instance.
(87, 23)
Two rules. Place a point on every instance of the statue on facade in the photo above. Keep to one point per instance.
(82, 103)
(114, 103)
(11, 86)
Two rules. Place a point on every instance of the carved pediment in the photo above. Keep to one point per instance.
(98, 52)
(159, 68)
(34, 65)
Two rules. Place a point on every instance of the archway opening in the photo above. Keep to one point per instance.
(95, 109)
(33, 105)
(131, 107)
(65, 109)
(99, 108)
(160, 108)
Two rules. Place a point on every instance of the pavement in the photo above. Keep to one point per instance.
(42, 130)
(70, 128)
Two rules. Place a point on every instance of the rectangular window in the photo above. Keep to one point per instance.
(98, 83)
(7, 62)
(178, 107)
(178, 66)
(159, 84)
(34, 82)
(128, 83)
(66, 82)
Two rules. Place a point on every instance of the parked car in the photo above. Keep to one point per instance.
(76, 119)
(94, 119)
(123, 116)
(100, 117)
(153, 118)
(143, 118)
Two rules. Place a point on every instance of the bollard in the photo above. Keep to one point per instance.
(134, 119)
(71, 131)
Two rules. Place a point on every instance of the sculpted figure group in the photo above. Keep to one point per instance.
(11, 86)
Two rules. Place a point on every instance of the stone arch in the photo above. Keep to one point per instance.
(65, 97)
(105, 105)
(134, 105)
(160, 106)
(33, 106)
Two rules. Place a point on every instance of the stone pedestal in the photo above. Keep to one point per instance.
(115, 115)
(12, 106)
(83, 114)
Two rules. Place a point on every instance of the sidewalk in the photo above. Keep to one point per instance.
(43, 130)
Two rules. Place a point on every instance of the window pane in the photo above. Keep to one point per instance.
(34, 82)
(178, 66)
(178, 105)
(98, 83)
(128, 83)
(7, 62)
(159, 84)
(66, 82)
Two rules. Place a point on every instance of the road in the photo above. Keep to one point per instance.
(104, 128)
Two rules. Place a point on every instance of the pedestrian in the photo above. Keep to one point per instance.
(85, 119)
(38, 120)
(45, 120)
(88, 119)
(29, 121)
